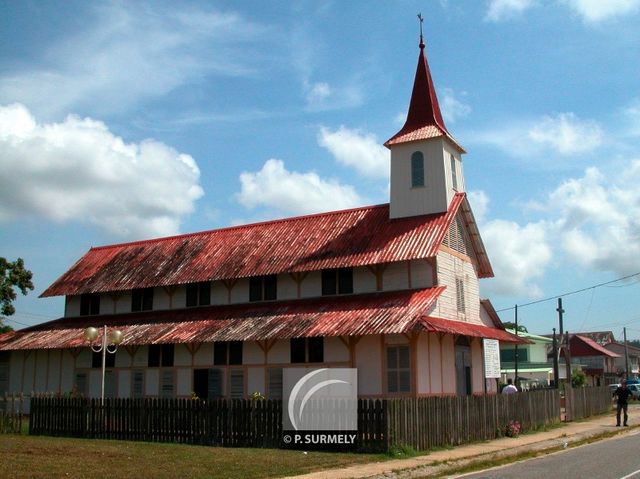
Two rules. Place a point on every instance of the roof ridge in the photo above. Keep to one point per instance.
(238, 227)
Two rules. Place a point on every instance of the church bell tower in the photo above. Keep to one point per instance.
(426, 161)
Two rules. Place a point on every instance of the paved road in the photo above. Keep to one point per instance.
(615, 458)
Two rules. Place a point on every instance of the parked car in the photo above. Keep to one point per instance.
(613, 387)
(635, 390)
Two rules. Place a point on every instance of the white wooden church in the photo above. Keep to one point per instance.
(391, 290)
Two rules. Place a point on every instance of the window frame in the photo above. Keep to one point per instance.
(141, 299)
(165, 354)
(454, 172)
(418, 177)
(461, 305)
(306, 350)
(198, 294)
(228, 353)
(336, 281)
(398, 370)
(263, 288)
(89, 304)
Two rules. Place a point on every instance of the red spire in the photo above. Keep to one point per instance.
(424, 119)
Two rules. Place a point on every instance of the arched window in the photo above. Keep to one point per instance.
(417, 169)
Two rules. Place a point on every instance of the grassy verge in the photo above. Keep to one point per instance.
(40, 456)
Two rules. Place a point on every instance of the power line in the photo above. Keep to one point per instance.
(6, 318)
(570, 293)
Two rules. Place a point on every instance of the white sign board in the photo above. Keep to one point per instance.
(491, 358)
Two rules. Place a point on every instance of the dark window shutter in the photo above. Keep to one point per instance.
(96, 360)
(136, 300)
(154, 356)
(255, 289)
(235, 352)
(345, 281)
(297, 350)
(167, 355)
(271, 287)
(201, 383)
(215, 384)
(316, 350)
(205, 293)
(147, 299)
(328, 282)
(192, 295)
(220, 353)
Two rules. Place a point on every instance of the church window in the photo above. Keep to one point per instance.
(454, 176)
(337, 281)
(89, 304)
(417, 169)
(142, 299)
(263, 288)
(199, 294)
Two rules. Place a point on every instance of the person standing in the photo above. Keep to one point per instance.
(509, 388)
(623, 393)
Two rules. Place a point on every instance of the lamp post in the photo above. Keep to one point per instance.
(104, 347)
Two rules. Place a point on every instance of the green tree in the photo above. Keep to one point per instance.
(13, 275)
(511, 325)
(5, 328)
(578, 378)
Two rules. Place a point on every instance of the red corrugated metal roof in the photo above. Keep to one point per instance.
(440, 325)
(583, 346)
(356, 237)
(366, 314)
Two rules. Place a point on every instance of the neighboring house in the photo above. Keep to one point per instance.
(620, 363)
(601, 337)
(534, 369)
(391, 290)
(597, 361)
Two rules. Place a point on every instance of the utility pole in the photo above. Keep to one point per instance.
(516, 351)
(560, 312)
(568, 393)
(626, 354)
(556, 372)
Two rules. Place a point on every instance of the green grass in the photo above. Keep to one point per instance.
(41, 456)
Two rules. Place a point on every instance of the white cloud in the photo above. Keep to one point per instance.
(358, 150)
(127, 53)
(599, 219)
(78, 171)
(318, 93)
(290, 192)
(564, 134)
(452, 107)
(321, 96)
(599, 10)
(504, 9)
(567, 134)
(479, 202)
(519, 254)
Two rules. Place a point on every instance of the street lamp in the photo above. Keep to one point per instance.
(104, 347)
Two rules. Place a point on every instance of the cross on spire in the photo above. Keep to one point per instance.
(421, 19)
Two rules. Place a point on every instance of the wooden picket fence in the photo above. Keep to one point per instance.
(11, 413)
(584, 402)
(429, 422)
(421, 423)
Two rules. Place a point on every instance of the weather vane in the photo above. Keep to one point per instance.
(421, 20)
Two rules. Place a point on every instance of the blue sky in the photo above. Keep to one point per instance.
(128, 120)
